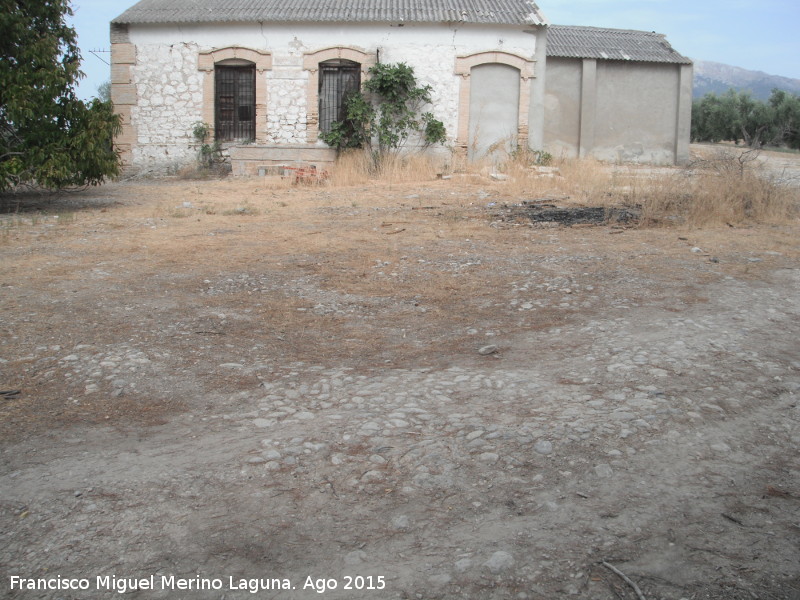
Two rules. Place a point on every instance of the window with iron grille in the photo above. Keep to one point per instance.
(337, 79)
(235, 102)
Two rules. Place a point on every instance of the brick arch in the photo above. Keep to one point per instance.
(463, 67)
(262, 59)
(525, 65)
(311, 61)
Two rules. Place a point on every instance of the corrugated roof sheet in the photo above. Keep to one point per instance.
(506, 12)
(567, 41)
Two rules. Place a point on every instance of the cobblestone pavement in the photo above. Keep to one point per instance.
(649, 429)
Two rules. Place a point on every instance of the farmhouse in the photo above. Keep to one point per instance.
(269, 77)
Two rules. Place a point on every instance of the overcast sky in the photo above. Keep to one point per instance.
(763, 35)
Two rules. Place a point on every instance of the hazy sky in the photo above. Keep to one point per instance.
(763, 35)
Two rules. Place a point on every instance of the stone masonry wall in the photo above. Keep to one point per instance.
(170, 101)
(286, 99)
(169, 87)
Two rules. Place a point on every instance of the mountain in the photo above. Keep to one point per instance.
(719, 78)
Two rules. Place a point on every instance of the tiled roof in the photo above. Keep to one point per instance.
(506, 12)
(568, 41)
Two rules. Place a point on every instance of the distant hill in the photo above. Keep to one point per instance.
(719, 78)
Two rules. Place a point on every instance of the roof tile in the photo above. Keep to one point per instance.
(568, 41)
(506, 12)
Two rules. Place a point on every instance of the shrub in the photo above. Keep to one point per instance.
(386, 114)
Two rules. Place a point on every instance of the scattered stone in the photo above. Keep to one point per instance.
(439, 580)
(487, 350)
(544, 447)
(372, 477)
(604, 471)
(488, 457)
(354, 558)
(463, 565)
(499, 561)
(401, 523)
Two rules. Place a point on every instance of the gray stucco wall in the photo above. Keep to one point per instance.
(618, 111)
(494, 109)
(562, 107)
(637, 107)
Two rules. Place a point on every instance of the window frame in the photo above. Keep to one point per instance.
(311, 63)
(338, 77)
(207, 61)
(240, 81)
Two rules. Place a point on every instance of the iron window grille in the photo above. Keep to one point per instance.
(235, 103)
(337, 80)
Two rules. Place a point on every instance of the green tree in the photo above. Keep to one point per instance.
(387, 113)
(104, 91)
(47, 135)
(738, 116)
(786, 109)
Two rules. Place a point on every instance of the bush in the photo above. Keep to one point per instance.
(209, 156)
(386, 114)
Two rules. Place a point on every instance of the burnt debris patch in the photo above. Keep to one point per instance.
(537, 212)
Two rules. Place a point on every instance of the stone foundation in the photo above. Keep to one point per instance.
(247, 160)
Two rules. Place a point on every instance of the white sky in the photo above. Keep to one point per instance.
(763, 36)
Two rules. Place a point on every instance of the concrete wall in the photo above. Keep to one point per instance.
(618, 111)
(165, 91)
(494, 110)
(562, 107)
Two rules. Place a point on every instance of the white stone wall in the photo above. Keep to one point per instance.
(170, 99)
(169, 85)
(286, 99)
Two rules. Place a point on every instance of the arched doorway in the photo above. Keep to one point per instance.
(494, 98)
(493, 110)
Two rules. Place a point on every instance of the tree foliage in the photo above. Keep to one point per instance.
(735, 116)
(387, 113)
(47, 135)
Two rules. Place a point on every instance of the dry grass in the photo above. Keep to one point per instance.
(587, 180)
(357, 167)
(352, 168)
(580, 181)
(731, 187)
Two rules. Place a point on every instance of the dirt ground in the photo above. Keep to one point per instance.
(390, 391)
